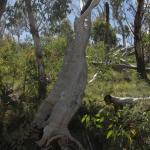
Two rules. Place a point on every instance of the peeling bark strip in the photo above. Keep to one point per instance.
(139, 52)
(63, 101)
(2, 7)
(38, 50)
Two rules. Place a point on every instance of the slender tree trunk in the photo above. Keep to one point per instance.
(38, 50)
(139, 52)
(123, 32)
(2, 10)
(64, 100)
(107, 41)
(107, 27)
(2, 7)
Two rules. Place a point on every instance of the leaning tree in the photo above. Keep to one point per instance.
(59, 107)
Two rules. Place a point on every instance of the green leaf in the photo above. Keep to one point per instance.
(110, 133)
(110, 126)
(84, 118)
(128, 137)
(99, 126)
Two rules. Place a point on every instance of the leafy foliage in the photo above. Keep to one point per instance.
(99, 32)
(127, 128)
(18, 88)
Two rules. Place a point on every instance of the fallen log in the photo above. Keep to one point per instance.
(123, 66)
(120, 66)
(125, 51)
(122, 101)
(129, 51)
(126, 66)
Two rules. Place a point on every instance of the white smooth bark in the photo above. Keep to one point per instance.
(57, 110)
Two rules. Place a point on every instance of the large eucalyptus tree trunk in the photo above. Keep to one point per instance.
(38, 50)
(139, 52)
(57, 110)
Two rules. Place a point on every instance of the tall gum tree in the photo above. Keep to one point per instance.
(38, 50)
(139, 52)
(59, 107)
(117, 6)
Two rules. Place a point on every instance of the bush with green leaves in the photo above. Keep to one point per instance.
(18, 72)
(126, 128)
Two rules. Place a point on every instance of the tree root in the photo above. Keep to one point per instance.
(63, 138)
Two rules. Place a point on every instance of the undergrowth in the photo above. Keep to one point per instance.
(97, 125)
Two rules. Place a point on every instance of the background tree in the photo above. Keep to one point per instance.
(16, 21)
(139, 52)
(99, 32)
(147, 16)
(107, 11)
(117, 9)
(50, 15)
(2, 7)
(38, 50)
(46, 15)
(2, 10)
